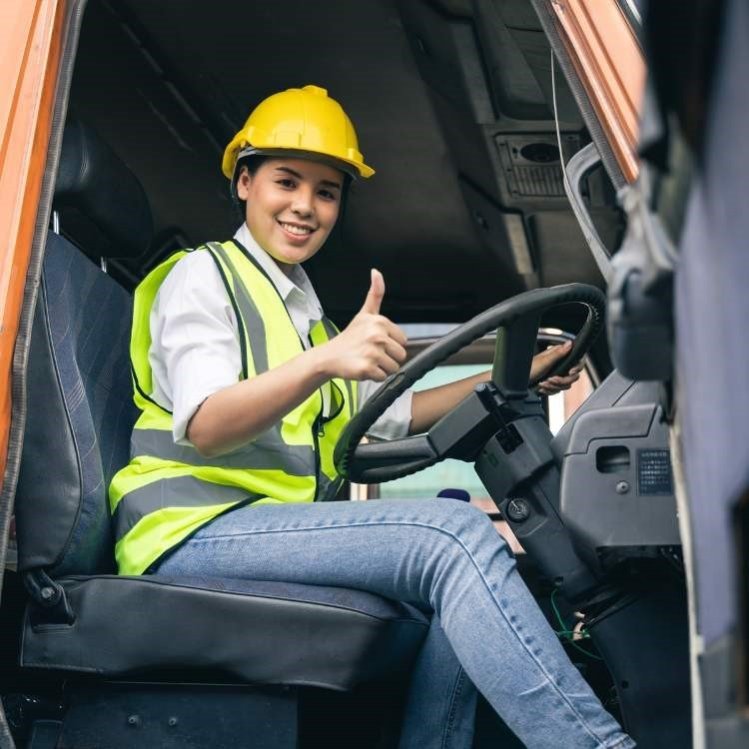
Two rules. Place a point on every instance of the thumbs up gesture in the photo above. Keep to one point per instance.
(371, 347)
(375, 295)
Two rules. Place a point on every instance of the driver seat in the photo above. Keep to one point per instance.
(82, 619)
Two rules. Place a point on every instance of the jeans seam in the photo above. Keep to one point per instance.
(622, 743)
(454, 696)
(476, 566)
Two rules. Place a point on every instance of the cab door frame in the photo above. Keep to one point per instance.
(38, 39)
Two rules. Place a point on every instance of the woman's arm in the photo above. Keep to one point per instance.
(429, 406)
(238, 413)
(370, 348)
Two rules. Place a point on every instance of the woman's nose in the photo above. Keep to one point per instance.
(302, 203)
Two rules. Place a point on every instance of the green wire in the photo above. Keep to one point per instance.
(556, 610)
(568, 634)
(583, 650)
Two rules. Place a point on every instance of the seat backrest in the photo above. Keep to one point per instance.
(79, 394)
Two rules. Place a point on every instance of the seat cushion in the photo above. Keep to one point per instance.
(257, 632)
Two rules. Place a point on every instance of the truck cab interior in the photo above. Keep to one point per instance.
(469, 122)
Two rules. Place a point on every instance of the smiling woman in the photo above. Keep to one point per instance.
(251, 387)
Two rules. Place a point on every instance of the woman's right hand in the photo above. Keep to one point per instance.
(371, 347)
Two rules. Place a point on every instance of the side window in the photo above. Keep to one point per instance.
(562, 405)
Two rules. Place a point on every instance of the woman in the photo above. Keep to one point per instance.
(245, 387)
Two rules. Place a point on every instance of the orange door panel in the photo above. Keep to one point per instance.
(30, 41)
(609, 62)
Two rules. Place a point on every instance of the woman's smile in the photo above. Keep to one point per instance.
(295, 232)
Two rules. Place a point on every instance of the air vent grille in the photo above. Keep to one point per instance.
(531, 163)
(537, 181)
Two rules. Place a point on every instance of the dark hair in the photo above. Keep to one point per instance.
(253, 163)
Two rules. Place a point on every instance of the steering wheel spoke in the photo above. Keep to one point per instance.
(380, 461)
(513, 354)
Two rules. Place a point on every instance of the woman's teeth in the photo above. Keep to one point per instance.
(298, 230)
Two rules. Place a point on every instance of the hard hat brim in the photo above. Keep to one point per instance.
(351, 169)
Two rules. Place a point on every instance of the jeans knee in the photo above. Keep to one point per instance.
(455, 508)
(466, 544)
(466, 512)
(466, 524)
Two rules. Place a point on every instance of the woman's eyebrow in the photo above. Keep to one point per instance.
(294, 173)
(289, 170)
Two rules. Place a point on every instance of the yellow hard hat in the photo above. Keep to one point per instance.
(303, 120)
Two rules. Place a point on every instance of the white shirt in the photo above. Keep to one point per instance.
(195, 337)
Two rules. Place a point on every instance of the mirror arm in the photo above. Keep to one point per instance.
(576, 170)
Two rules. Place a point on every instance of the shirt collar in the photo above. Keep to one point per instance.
(297, 282)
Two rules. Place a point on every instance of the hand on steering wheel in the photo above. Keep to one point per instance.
(545, 362)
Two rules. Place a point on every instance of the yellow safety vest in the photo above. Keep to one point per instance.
(168, 491)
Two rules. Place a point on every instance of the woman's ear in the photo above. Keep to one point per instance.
(243, 183)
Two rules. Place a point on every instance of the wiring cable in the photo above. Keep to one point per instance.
(569, 635)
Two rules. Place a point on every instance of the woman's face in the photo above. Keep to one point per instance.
(291, 206)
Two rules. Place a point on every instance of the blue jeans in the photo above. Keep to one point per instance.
(442, 554)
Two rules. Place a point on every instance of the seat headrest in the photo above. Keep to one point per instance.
(102, 205)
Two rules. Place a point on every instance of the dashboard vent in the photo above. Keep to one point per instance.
(532, 165)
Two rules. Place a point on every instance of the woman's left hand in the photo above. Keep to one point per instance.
(544, 361)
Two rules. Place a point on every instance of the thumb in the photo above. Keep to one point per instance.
(375, 294)
(544, 362)
(553, 354)
(560, 350)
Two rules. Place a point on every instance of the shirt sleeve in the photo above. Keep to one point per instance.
(395, 421)
(195, 348)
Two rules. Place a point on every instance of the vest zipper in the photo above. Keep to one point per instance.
(318, 430)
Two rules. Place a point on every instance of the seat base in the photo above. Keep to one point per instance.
(127, 715)
(249, 631)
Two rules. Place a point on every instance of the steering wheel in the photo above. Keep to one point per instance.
(516, 321)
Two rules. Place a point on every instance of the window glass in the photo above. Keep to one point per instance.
(562, 405)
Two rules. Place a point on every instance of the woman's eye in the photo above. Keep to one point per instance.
(327, 195)
(287, 183)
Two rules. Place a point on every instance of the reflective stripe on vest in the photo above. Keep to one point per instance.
(169, 491)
